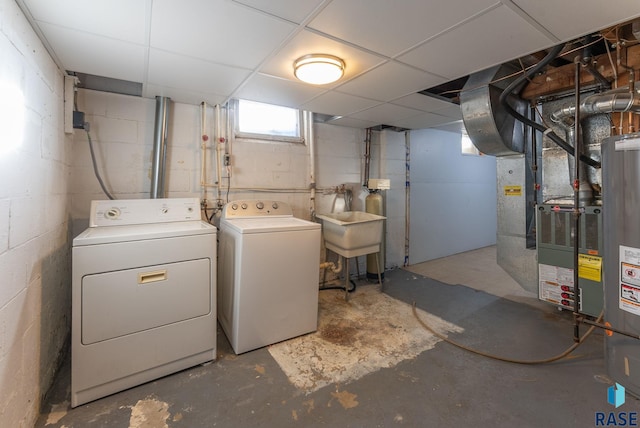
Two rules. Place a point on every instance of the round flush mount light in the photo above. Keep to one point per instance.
(318, 69)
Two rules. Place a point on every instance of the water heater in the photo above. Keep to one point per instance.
(621, 198)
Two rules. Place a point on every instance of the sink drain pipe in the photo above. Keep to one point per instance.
(332, 266)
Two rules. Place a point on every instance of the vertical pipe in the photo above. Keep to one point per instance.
(534, 157)
(576, 206)
(218, 147)
(367, 156)
(407, 197)
(159, 148)
(203, 152)
(308, 121)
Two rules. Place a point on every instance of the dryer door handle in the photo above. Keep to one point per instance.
(155, 276)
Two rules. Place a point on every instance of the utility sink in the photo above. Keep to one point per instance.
(352, 233)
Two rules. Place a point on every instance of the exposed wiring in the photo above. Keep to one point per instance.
(613, 67)
(95, 166)
(519, 72)
(500, 358)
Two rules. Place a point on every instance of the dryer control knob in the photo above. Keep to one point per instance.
(259, 205)
(234, 206)
(275, 205)
(243, 206)
(112, 213)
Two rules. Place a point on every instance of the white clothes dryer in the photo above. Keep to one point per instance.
(268, 272)
(143, 295)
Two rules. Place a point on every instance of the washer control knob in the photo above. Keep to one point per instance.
(275, 205)
(243, 206)
(164, 210)
(234, 206)
(259, 205)
(112, 213)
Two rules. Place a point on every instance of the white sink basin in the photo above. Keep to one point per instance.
(352, 233)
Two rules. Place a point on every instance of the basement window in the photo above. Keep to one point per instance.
(260, 121)
(467, 146)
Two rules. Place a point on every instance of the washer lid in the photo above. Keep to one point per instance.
(268, 224)
(139, 232)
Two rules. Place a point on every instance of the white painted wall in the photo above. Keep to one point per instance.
(453, 197)
(35, 292)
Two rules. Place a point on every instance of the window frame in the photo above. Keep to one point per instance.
(250, 136)
(474, 150)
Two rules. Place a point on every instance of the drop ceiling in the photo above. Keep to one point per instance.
(215, 50)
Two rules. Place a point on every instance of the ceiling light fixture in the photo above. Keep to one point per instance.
(318, 69)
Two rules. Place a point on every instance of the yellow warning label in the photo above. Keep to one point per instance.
(513, 190)
(590, 267)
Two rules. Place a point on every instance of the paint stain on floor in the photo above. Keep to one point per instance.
(354, 338)
(58, 411)
(149, 413)
(346, 399)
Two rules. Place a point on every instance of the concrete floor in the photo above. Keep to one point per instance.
(439, 385)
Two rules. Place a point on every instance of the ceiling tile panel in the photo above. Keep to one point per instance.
(307, 42)
(353, 123)
(119, 19)
(422, 121)
(295, 11)
(210, 50)
(392, 27)
(457, 127)
(181, 95)
(471, 47)
(102, 56)
(422, 102)
(191, 74)
(268, 89)
(338, 104)
(217, 30)
(568, 19)
(386, 113)
(390, 81)
(453, 111)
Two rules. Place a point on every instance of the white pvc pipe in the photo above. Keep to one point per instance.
(332, 265)
(308, 119)
(217, 143)
(203, 150)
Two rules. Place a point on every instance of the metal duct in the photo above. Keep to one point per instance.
(585, 190)
(616, 100)
(491, 128)
(159, 147)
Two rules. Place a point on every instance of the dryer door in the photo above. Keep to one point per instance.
(127, 301)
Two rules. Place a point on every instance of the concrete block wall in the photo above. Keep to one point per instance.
(121, 128)
(35, 292)
(122, 132)
(339, 160)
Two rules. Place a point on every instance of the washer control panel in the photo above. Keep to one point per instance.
(143, 211)
(256, 208)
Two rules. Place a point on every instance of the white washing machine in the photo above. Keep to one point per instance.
(143, 295)
(268, 270)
